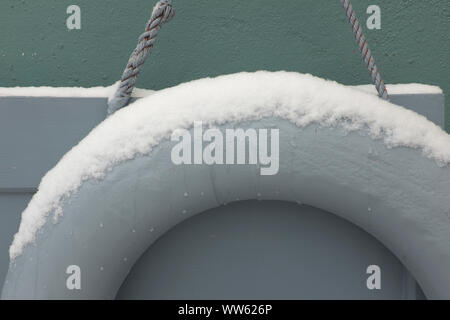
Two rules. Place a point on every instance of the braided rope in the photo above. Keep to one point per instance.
(364, 49)
(162, 12)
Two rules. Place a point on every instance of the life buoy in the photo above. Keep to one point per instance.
(398, 194)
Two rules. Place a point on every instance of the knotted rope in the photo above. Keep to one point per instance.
(364, 49)
(162, 12)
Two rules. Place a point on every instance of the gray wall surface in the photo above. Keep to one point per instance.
(36, 132)
(213, 37)
(11, 205)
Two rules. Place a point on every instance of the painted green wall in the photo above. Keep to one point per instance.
(212, 37)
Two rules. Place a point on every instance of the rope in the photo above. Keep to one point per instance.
(364, 49)
(162, 12)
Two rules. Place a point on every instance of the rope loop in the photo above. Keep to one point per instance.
(163, 12)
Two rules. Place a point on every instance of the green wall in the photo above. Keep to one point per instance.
(212, 37)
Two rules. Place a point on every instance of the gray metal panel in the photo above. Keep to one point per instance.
(35, 132)
(266, 250)
(432, 106)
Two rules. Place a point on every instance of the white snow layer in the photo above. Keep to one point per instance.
(410, 88)
(94, 92)
(300, 98)
(108, 92)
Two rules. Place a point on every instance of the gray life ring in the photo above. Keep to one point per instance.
(396, 194)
